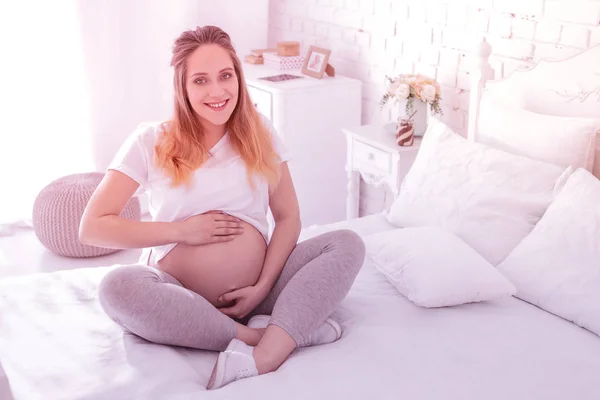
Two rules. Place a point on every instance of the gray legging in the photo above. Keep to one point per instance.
(155, 306)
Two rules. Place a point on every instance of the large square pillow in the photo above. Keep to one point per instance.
(557, 266)
(489, 198)
(564, 141)
(434, 268)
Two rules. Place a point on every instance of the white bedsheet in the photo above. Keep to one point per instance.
(55, 343)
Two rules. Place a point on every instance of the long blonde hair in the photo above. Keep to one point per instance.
(180, 150)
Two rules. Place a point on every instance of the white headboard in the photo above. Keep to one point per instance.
(569, 87)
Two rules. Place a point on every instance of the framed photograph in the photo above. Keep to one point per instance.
(316, 62)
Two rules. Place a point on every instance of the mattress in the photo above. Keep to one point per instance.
(56, 343)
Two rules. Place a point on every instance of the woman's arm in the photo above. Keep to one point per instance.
(285, 210)
(101, 224)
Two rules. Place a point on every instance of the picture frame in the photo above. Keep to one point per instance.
(316, 62)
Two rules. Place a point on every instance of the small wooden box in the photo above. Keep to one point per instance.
(288, 49)
(252, 59)
(260, 52)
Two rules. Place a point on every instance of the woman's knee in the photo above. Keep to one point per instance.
(346, 250)
(349, 242)
(117, 286)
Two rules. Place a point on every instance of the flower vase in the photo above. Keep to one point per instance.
(419, 119)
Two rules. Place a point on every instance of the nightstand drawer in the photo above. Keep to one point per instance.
(371, 156)
(262, 101)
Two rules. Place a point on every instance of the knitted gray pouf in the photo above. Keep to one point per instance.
(58, 209)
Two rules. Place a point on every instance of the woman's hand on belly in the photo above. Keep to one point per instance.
(217, 268)
(210, 227)
(242, 301)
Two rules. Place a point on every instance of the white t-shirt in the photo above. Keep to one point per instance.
(221, 183)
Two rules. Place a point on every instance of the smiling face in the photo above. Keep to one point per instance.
(212, 85)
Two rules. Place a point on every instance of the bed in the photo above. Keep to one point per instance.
(56, 343)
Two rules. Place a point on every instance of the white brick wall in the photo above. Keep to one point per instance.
(372, 38)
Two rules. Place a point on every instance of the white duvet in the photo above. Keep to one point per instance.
(56, 343)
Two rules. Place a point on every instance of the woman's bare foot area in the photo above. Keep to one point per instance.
(274, 348)
(250, 336)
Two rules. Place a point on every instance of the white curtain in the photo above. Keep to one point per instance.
(44, 102)
(76, 77)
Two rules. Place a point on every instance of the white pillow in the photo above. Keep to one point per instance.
(557, 266)
(489, 198)
(434, 268)
(563, 141)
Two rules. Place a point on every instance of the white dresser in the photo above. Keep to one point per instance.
(309, 115)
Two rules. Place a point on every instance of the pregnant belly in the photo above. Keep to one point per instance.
(214, 269)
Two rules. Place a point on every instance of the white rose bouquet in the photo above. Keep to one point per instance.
(413, 86)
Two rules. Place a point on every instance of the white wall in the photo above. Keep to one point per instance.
(371, 38)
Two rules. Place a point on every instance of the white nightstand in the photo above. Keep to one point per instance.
(374, 155)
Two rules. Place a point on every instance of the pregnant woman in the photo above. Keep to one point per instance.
(210, 278)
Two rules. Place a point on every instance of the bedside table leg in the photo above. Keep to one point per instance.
(352, 199)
